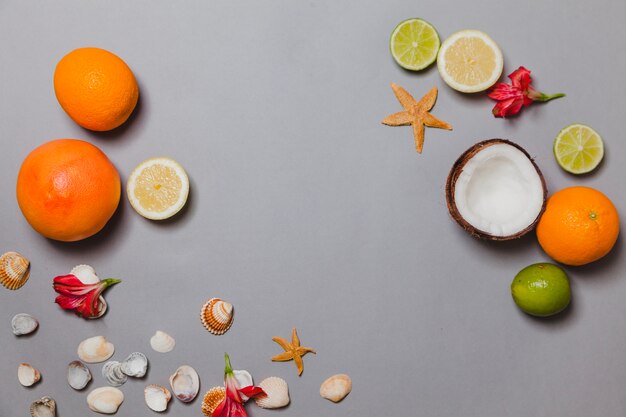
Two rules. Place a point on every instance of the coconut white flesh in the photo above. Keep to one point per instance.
(499, 191)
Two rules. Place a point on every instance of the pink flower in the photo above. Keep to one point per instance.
(84, 299)
(511, 98)
(232, 406)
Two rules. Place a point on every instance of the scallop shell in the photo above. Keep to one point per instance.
(43, 407)
(87, 275)
(276, 393)
(217, 316)
(23, 323)
(14, 270)
(105, 400)
(27, 375)
(112, 373)
(95, 349)
(135, 365)
(212, 399)
(157, 397)
(78, 375)
(185, 383)
(336, 387)
(162, 342)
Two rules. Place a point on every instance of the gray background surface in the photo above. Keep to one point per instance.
(305, 211)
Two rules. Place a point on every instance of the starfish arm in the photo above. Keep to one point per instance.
(282, 342)
(418, 133)
(299, 364)
(304, 350)
(403, 96)
(295, 341)
(428, 101)
(282, 357)
(432, 121)
(402, 118)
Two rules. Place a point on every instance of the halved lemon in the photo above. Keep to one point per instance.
(158, 188)
(578, 149)
(414, 44)
(470, 61)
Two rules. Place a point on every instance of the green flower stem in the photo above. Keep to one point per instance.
(548, 97)
(229, 369)
(110, 281)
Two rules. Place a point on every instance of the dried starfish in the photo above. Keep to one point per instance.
(293, 350)
(416, 114)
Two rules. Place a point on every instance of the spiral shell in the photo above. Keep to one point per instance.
(217, 316)
(212, 399)
(14, 270)
(276, 393)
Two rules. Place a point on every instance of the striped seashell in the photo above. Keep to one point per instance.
(276, 393)
(212, 399)
(217, 316)
(14, 270)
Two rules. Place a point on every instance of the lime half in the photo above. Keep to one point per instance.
(414, 44)
(578, 149)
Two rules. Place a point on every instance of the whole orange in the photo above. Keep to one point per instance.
(68, 189)
(580, 225)
(95, 88)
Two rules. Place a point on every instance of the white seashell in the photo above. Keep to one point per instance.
(95, 349)
(105, 400)
(217, 316)
(78, 375)
(43, 407)
(112, 373)
(14, 270)
(244, 379)
(86, 274)
(336, 387)
(135, 365)
(212, 399)
(276, 393)
(27, 375)
(162, 342)
(157, 397)
(185, 383)
(23, 323)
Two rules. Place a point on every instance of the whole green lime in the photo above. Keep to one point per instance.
(541, 289)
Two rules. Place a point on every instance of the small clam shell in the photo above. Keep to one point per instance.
(43, 407)
(112, 373)
(244, 379)
(185, 383)
(105, 400)
(23, 323)
(78, 375)
(95, 349)
(135, 365)
(27, 375)
(14, 270)
(162, 342)
(336, 387)
(86, 274)
(217, 316)
(157, 397)
(276, 393)
(212, 399)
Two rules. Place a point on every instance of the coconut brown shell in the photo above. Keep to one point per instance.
(456, 171)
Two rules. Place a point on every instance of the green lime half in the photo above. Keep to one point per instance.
(414, 44)
(541, 289)
(578, 149)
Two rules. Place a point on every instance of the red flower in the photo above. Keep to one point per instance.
(511, 98)
(232, 406)
(84, 299)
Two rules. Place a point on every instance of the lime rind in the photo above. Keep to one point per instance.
(414, 44)
(578, 149)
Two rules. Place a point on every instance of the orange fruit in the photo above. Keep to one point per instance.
(580, 225)
(95, 88)
(68, 189)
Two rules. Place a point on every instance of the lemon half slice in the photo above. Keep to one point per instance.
(158, 188)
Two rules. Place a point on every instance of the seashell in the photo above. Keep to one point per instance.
(135, 365)
(27, 375)
(95, 349)
(244, 379)
(112, 373)
(78, 375)
(185, 383)
(14, 270)
(105, 400)
(162, 342)
(276, 393)
(217, 316)
(43, 407)
(212, 399)
(336, 387)
(23, 323)
(86, 274)
(157, 397)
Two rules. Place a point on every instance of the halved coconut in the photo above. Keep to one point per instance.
(496, 191)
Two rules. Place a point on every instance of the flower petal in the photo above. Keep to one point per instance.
(508, 107)
(504, 91)
(251, 391)
(520, 78)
